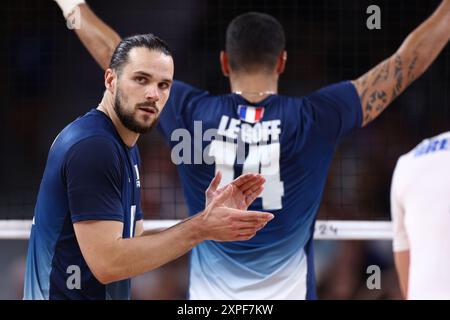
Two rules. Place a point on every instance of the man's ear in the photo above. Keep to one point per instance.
(281, 64)
(110, 80)
(224, 63)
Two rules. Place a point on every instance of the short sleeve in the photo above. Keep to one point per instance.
(336, 109)
(139, 213)
(400, 237)
(93, 178)
(177, 113)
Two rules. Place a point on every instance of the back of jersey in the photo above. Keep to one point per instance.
(420, 205)
(290, 141)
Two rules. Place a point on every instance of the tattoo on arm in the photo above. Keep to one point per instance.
(373, 100)
(398, 75)
(411, 75)
(382, 74)
(375, 105)
(392, 75)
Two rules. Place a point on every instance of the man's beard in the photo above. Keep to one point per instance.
(128, 120)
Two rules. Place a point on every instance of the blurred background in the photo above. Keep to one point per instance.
(49, 79)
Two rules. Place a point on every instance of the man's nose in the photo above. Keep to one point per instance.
(152, 93)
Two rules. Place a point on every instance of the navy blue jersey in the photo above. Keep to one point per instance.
(90, 175)
(290, 141)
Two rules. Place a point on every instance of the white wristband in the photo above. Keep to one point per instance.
(67, 6)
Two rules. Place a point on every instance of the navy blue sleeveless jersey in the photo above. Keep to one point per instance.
(290, 141)
(90, 174)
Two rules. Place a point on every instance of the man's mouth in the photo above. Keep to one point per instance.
(150, 110)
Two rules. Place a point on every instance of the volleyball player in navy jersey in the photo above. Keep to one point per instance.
(87, 237)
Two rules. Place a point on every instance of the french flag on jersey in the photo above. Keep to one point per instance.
(250, 114)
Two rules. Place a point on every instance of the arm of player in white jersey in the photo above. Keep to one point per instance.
(402, 265)
(98, 38)
(400, 239)
(381, 85)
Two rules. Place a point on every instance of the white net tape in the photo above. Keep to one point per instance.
(324, 230)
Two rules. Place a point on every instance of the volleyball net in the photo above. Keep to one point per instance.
(327, 41)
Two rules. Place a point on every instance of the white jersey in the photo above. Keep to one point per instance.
(420, 205)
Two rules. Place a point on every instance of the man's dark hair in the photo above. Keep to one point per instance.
(254, 40)
(150, 41)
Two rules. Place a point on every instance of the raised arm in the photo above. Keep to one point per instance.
(381, 85)
(98, 38)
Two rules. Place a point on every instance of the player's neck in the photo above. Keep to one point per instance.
(107, 106)
(254, 87)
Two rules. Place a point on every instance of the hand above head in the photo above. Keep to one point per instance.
(68, 6)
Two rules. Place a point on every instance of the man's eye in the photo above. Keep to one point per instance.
(140, 80)
(163, 85)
